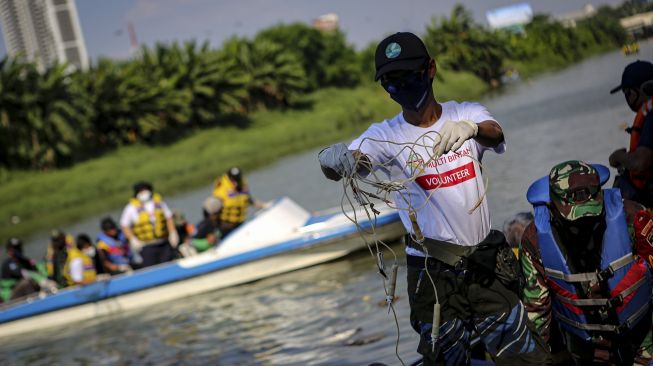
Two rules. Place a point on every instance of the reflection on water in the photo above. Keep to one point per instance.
(310, 316)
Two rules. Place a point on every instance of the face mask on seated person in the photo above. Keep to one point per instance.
(144, 196)
(90, 251)
(410, 90)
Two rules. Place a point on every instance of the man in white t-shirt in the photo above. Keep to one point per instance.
(435, 150)
(147, 223)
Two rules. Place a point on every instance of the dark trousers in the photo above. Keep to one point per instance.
(474, 303)
(157, 253)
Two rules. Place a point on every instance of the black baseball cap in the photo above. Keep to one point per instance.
(235, 173)
(141, 186)
(400, 51)
(107, 223)
(634, 75)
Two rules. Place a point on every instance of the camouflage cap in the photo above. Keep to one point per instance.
(575, 190)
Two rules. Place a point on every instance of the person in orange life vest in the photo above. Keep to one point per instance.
(148, 225)
(232, 189)
(113, 248)
(80, 266)
(184, 228)
(587, 288)
(636, 164)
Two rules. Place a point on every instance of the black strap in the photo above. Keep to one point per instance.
(453, 254)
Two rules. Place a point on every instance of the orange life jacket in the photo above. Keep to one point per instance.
(639, 179)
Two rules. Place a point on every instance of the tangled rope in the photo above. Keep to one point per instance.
(365, 188)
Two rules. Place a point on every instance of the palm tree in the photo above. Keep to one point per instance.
(462, 45)
(44, 114)
(274, 76)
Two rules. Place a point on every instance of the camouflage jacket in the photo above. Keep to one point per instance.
(535, 293)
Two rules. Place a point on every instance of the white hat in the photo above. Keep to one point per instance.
(212, 205)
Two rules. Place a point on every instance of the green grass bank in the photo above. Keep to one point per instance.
(44, 200)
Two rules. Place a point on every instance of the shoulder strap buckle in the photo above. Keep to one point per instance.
(605, 274)
(615, 301)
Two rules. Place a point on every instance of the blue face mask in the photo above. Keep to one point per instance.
(411, 91)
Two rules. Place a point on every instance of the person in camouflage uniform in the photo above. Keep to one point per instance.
(574, 209)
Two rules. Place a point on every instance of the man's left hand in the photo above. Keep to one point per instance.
(173, 239)
(453, 135)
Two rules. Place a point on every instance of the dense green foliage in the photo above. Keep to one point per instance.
(51, 199)
(460, 44)
(56, 117)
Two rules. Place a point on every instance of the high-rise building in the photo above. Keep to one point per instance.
(44, 31)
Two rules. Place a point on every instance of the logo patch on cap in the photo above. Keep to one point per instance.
(392, 50)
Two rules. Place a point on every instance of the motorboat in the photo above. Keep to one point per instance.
(281, 238)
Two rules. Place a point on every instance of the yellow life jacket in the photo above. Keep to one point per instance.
(234, 203)
(49, 254)
(144, 229)
(89, 267)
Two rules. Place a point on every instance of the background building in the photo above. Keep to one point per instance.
(326, 22)
(570, 19)
(638, 25)
(44, 31)
(510, 17)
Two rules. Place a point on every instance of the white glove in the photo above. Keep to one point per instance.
(336, 161)
(124, 268)
(173, 238)
(135, 245)
(453, 135)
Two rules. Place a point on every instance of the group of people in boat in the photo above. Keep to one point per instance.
(148, 233)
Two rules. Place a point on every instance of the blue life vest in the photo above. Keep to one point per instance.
(626, 276)
(117, 252)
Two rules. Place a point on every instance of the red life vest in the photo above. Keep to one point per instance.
(639, 179)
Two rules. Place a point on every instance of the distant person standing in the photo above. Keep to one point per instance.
(635, 165)
(147, 222)
(232, 189)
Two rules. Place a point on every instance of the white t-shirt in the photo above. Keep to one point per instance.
(77, 270)
(130, 213)
(454, 180)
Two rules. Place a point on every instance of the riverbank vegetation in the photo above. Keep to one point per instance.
(72, 142)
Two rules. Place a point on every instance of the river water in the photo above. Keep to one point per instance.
(330, 314)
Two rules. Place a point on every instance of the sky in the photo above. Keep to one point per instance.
(104, 23)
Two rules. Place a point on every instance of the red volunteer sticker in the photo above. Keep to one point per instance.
(447, 179)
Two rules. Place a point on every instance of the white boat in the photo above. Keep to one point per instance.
(282, 238)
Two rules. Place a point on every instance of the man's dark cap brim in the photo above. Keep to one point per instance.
(414, 64)
(616, 89)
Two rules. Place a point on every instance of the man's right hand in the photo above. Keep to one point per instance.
(337, 161)
(135, 245)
